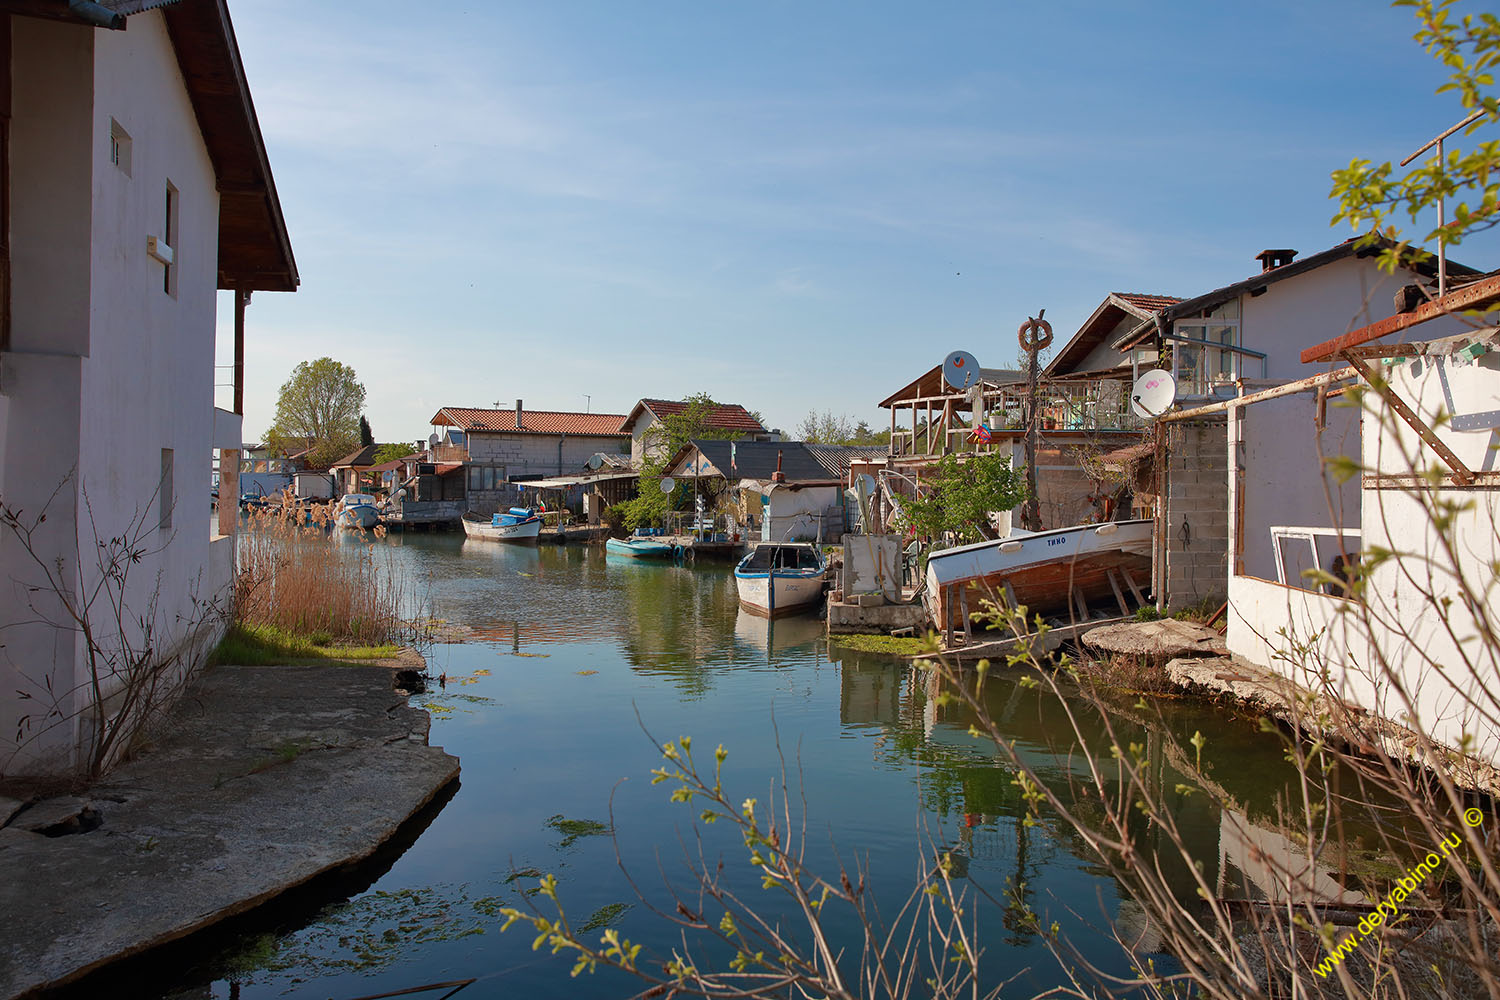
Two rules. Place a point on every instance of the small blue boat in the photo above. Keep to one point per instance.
(641, 548)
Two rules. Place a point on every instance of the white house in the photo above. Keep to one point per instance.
(1411, 639)
(1234, 341)
(138, 186)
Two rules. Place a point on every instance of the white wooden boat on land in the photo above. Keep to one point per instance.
(1056, 573)
(519, 524)
(357, 511)
(780, 579)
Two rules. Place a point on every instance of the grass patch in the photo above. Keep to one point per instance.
(573, 829)
(268, 646)
(603, 917)
(891, 644)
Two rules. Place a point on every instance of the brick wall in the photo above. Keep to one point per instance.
(1197, 496)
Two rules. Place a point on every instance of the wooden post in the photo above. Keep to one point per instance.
(241, 300)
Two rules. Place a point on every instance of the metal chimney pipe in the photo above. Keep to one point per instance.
(518, 414)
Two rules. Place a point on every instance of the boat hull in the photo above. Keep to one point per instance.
(794, 592)
(639, 548)
(358, 517)
(1045, 571)
(521, 533)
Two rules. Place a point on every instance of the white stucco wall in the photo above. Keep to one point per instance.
(1103, 356)
(122, 369)
(1416, 631)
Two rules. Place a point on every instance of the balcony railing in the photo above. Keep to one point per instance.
(1099, 405)
(450, 453)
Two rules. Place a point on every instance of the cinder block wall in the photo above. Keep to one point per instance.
(1197, 513)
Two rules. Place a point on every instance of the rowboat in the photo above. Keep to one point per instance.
(1052, 573)
(780, 579)
(640, 548)
(519, 524)
(356, 511)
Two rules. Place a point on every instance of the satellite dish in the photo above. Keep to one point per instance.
(668, 484)
(960, 370)
(433, 440)
(865, 484)
(1153, 393)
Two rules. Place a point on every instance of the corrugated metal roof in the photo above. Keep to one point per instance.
(724, 416)
(836, 458)
(476, 420)
(757, 459)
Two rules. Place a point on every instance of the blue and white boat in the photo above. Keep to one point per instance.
(641, 548)
(357, 511)
(780, 578)
(519, 524)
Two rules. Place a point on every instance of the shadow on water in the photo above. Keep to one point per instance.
(219, 951)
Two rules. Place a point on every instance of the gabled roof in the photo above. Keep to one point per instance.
(1343, 251)
(255, 250)
(930, 383)
(1115, 307)
(757, 460)
(724, 416)
(836, 457)
(532, 421)
(362, 459)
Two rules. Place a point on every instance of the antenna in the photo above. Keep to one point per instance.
(588, 401)
(1153, 393)
(960, 370)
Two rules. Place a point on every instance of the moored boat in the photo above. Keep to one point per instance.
(1051, 573)
(519, 524)
(640, 548)
(357, 511)
(780, 578)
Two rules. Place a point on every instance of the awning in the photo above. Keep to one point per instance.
(563, 482)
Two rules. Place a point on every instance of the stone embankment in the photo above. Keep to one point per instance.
(264, 779)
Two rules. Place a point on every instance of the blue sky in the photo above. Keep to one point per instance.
(789, 206)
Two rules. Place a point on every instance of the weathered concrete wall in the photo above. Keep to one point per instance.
(1196, 519)
(530, 454)
(872, 564)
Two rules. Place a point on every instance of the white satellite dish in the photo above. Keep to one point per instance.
(960, 370)
(865, 484)
(433, 439)
(1153, 393)
(668, 484)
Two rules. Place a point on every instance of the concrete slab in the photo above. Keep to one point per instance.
(1160, 640)
(848, 617)
(268, 777)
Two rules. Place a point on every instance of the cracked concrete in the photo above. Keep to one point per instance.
(269, 777)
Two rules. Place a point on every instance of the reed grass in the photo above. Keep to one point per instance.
(295, 579)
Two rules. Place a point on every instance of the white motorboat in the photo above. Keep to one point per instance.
(1052, 573)
(357, 511)
(780, 578)
(519, 524)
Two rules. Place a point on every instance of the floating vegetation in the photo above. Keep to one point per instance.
(572, 829)
(603, 917)
(894, 645)
(523, 873)
(516, 652)
(587, 673)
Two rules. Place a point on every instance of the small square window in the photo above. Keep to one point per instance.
(119, 147)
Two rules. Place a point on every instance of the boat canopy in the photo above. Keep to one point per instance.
(785, 556)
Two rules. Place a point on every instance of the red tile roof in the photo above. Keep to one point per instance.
(532, 421)
(726, 416)
(1148, 303)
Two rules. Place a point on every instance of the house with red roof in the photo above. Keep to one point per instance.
(725, 419)
(501, 448)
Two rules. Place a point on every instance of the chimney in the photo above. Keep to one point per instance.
(778, 476)
(518, 414)
(1270, 260)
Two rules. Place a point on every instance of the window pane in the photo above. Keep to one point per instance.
(1189, 357)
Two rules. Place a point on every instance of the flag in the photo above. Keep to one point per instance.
(981, 433)
(732, 466)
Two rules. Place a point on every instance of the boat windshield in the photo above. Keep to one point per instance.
(786, 556)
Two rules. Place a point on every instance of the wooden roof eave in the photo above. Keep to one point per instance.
(255, 249)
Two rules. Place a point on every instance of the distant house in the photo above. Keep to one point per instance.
(728, 418)
(351, 471)
(137, 188)
(791, 490)
(502, 448)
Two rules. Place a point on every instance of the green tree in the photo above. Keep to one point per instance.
(390, 452)
(366, 436)
(661, 444)
(1371, 196)
(319, 407)
(962, 492)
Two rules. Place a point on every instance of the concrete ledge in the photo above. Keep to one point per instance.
(851, 618)
(267, 778)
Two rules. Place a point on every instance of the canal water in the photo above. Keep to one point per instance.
(578, 661)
